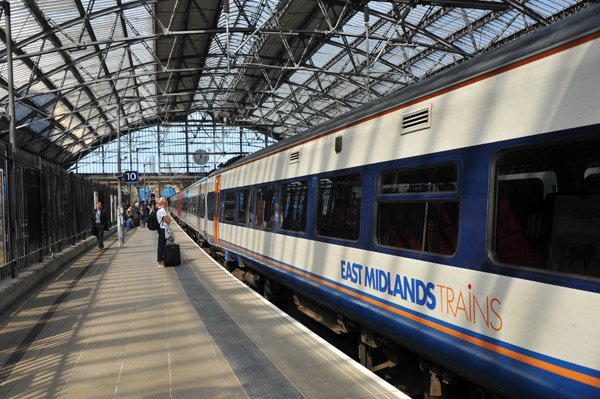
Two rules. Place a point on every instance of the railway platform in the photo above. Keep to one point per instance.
(112, 324)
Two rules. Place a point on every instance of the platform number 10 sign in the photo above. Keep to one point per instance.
(131, 176)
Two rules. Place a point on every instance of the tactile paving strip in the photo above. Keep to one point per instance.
(259, 377)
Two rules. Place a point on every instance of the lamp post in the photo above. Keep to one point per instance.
(146, 182)
(120, 171)
(137, 168)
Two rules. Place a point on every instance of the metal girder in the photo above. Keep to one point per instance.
(482, 5)
(266, 45)
(278, 65)
(527, 11)
(32, 105)
(42, 21)
(73, 22)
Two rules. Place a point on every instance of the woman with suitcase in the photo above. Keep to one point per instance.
(163, 221)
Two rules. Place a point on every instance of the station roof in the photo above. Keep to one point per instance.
(277, 67)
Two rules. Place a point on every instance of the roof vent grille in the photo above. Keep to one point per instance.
(294, 157)
(416, 120)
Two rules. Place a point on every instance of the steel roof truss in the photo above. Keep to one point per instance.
(41, 19)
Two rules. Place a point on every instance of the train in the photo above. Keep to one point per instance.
(457, 218)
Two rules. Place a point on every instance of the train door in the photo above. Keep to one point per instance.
(217, 209)
(199, 209)
(180, 196)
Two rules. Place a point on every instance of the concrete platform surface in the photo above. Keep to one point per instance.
(112, 324)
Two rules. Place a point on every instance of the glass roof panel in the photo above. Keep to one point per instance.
(23, 24)
(105, 27)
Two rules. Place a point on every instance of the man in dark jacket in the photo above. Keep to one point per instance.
(137, 214)
(145, 214)
(100, 221)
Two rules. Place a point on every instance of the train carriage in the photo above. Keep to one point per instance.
(459, 217)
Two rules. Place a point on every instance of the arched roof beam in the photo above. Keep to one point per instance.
(129, 52)
(444, 44)
(36, 110)
(52, 30)
(128, 41)
(357, 66)
(262, 46)
(133, 125)
(481, 5)
(528, 11)
(176, 48)
(257, 126)
(497, 10)
(43, 22)
(103, 53)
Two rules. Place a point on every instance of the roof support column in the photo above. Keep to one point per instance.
(9, 75)
(130, 154)
(187, 146)
(12, 168)
(119, 176)
(158, 149)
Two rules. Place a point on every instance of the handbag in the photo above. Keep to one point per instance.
(169, 235)
(94, 230)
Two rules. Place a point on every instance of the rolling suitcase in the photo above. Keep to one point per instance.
(171, 254)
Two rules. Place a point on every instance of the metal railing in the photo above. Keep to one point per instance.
(12, 268)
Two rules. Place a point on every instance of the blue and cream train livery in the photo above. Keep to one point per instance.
(458, 217)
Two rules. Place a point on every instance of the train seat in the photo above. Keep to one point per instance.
(512, 246)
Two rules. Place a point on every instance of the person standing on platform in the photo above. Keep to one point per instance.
(163, 221)
(129, 219)
(145, 214)
(136, 214)
(100, 222)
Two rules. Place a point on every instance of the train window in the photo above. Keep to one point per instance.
(423, 224)
(229, 196)
(294, 204)
(201, 206)
(229, 206)
(192, 204)
(244, 200)
(547, 207)
(210, 205)
(338, 206)
(591, 179)
(265, 207)
(432, 179)
(427, 226)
